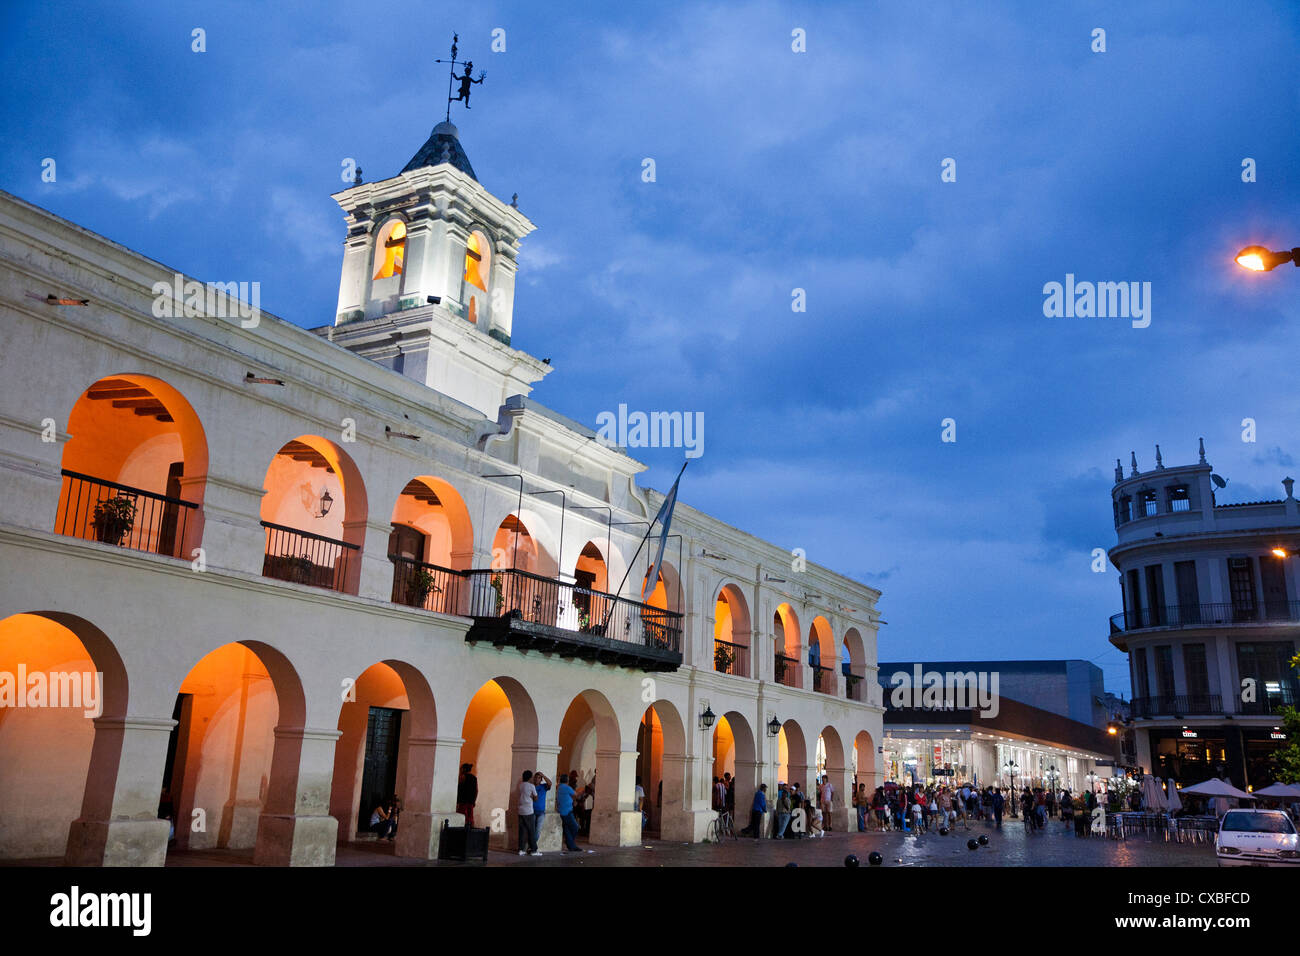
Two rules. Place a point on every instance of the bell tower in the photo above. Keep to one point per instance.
(428, 280)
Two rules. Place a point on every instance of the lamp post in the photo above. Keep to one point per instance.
(1011, 768)
(1260, 259)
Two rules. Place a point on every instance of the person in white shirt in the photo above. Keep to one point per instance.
(828, 800)
(526, 795)
(639, 802)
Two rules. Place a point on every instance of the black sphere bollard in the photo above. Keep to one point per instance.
(943, 831)
(851, 860)
(983, 840)
(792, 864)
(972, 845)
(874, 858)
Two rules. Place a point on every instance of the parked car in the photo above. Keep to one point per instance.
(1257, 838)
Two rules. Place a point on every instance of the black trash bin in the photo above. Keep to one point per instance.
(463, 843)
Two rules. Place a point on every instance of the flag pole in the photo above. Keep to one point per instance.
(632, 563)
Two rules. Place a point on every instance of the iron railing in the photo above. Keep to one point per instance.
(106, 511)
(1205, 615)
(729, 658)
(823, 679)
(427, 586)
(301, 557)
(567, 607)
(1285, 694)
(786, 670)
(1176, 705)
(855, 688)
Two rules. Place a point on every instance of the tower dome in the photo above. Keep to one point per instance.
(442, 146)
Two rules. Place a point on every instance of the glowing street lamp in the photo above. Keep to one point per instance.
(1259, 259)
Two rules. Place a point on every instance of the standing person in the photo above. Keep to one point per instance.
(998, 803)
(526, 795)
(860, 801)
(798, 807)
(881, 807)
(730, 781)
(543, 786)
(1040, 809)
(719, 795)
(467, 793)
(638, 802)
(564, 798)
(782, 811)
(1027, 808)
(1067, 808)
(757, 810)
(828, 800)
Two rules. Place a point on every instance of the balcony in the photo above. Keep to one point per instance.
(428, 586)
(1204, 615)
(520, 609)
(1272, 697)
(301, 557)
(855, 688)
(786, 670)
(127, 517)
(823, 679)
(730, 658)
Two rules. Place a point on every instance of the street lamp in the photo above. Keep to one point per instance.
(1259, 259)
(707, 718)
(1011, 768)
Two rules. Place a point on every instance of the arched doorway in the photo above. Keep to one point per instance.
(788, 669)
(835, 770)
(500, 733)
(389, 707)
(135, 468)
(591, 749)
(731, 632)
(823, 656)
(432, 537)
(314, 512)
(661, 770)
(236, 755)
(63, 697)
(854, 667)
(734, 758)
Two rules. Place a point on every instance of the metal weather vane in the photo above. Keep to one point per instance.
(465, 79)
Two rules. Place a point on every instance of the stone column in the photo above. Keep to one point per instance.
(546, 760)
(119, 823)
(432, 774)
(370, 573)
(614, 822)
(295, 828)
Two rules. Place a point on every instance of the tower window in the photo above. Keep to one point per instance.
(478, 260)
(1179, 498)
(1149, 504)
(390, 248)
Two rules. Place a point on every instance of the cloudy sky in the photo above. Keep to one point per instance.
(776, 171)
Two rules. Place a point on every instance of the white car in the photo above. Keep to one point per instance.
(1257, 838)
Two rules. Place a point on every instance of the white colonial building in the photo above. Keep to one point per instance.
(316, 568)
(1210, 617)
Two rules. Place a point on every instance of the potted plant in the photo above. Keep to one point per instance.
(418, 587)
(722, 658)
(114, 518)
(300, 568)
(780, 668)
(500, 598)
(852, 681)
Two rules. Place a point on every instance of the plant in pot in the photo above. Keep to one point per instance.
(500, 598)
(300, 568)
(852, 681)
(722, 658)
(114, 518)
(780, 668)
(418, 587)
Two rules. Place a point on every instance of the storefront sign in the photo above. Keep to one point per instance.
(1189, 733)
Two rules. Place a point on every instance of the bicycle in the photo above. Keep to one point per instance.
(722, 827)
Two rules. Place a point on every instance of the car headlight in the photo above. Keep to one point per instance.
(1228, 849)
(1288, 853)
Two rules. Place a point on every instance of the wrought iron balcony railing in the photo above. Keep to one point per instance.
(1178, 705)
(301, 557)
(729, 658)
(855, 688)
(428, 586)
(106, 511)
(1205, 615)
(786, 670)
(823, 679)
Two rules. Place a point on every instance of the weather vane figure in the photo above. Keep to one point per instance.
(465, 80)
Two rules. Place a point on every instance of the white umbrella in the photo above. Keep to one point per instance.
(1217, 788)
(1279, 791)
(1153, 797)
(1171, 797)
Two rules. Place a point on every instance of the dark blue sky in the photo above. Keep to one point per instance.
(776, 170)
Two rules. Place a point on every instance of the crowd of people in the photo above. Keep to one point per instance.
(924, 808)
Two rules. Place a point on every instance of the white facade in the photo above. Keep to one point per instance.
(272, 752)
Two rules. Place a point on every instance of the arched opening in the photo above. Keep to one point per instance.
(375, 780)
(833, 770)
(390, 249)
(500, 734)
(590, 585)
(235, 752)
(519, 558)
(591, 748)
(822, 655)
(731, 632)
(792, 756)
(853, 666)
(135, 468)
(61, 681)
(785, 636)
(432, 537)
(314, 512)
(478, 274)
(667, 592)
(864, 761)
(661, 772)
(734, 766)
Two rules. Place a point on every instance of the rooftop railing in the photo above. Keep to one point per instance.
(1205, 615)
(127, 517)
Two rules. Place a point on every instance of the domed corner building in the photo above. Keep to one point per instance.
(259, 580)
